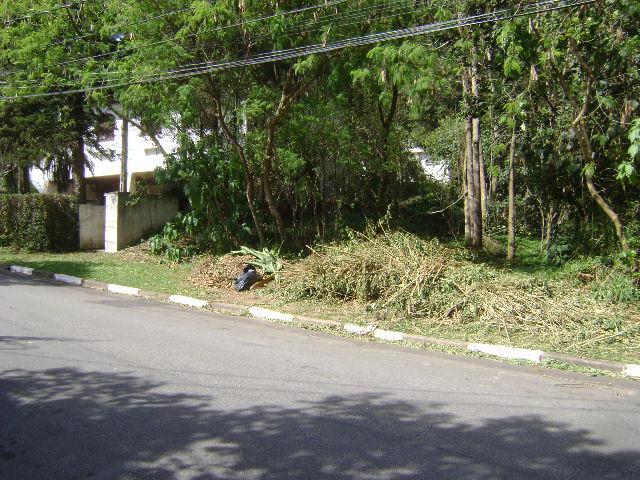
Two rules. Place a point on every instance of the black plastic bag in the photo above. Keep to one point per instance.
(248, 277)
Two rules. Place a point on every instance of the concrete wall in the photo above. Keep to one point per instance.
(126, 224)
(92, 221)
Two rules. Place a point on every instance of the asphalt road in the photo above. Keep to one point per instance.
(100, 386)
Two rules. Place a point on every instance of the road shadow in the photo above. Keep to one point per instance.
(70, 424)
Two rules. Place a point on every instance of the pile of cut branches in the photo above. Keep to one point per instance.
(219, 272)
(395, 270)
(430, 288)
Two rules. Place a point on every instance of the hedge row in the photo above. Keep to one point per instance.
(39, 222)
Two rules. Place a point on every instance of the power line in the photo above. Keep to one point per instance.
(217, 29)
(268, 57)
(38, 13)
(402, 5)
(191, 35)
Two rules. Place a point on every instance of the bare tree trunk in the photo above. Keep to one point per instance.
(511, 220)
(473, 198)
(552, 225)
(468, 181)
(124, 155)
(484, 192)
(586, 147)
(246, 170)
(291, 91)
(267, 163)
(24, 183)
(584, 139)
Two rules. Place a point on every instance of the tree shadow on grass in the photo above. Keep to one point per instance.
(78, 268)
(70, 424)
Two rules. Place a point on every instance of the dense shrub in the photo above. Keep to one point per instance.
(39, 222)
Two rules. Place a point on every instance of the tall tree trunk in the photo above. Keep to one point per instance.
(24, 179)
(511, 220)
(473, 198)
(291, 91)
(124, 157)
(552, 225)
(484, 191)
(267, 164)
(584, 139)
(78, 159)
(249, 188)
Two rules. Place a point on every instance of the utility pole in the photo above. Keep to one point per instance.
(124, 155)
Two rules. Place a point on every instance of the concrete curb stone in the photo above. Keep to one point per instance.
(123, 290)
(188, 301)
(270, 314)
(229, 308)
(159, 297)
(94, 284)
(535, 356)
(316, 321)
(68, 279)
(435, 341)
(22, 270)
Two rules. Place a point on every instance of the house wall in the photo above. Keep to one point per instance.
(144, 156)
(92, 221)
(126, 224)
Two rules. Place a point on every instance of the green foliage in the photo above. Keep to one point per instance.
(171, 243)
(558, 253)
(210, 180)
(620, 285)
(38, 222)
(268, 260)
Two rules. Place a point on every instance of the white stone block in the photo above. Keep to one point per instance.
(357, 329)
(189, 301)
(632, 370)
(388, 335)
(68, 279)
(270, 314)
(123, 290)
(22, 270)
(507, 352)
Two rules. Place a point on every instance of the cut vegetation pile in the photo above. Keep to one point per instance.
(219, 272)
(423, 287)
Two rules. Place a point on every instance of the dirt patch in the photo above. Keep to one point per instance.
(218, 272)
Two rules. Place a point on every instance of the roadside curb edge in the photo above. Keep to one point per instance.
(503, 351)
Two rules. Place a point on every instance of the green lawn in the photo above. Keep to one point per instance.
(137, 270)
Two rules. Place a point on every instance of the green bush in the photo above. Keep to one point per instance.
(37, 222)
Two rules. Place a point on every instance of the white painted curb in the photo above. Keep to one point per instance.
(60, 277)
(507, 352)
(22, 270)
(632, 370)
(358, 330)
(123, 290)
(388, 335)
(270, 314)
(192, 302)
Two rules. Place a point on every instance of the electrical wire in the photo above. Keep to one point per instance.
(28, 15)
(273, 56)
(217, 29)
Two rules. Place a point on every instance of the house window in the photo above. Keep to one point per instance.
(149, 152)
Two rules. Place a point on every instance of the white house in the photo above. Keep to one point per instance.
(103, 174)
(436, 170)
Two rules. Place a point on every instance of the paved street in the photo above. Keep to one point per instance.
(100, 386)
